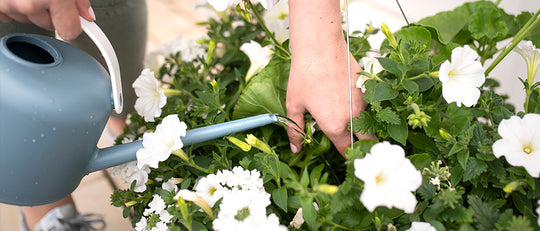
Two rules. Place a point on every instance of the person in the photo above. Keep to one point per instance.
(125, 24)
(319, 76)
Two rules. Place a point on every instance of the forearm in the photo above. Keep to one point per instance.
(315, 25)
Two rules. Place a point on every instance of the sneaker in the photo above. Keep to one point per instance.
(66, 218)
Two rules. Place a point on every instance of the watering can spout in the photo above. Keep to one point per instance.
(124, 153)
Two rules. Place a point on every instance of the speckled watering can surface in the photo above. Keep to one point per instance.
(55, 101)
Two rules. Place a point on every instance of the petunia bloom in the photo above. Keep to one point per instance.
(462, 77)
(520, 143)
(421, 226)
(221, 5)
(258, 56)
(389, 178)
(371, 65)
(150, 98)
(532, 57)
(159, 145)
(277, 20)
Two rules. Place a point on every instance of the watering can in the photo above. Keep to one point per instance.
(55, 101)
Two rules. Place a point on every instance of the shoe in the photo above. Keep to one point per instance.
(66, 218)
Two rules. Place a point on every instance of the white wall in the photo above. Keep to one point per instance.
(362, 12)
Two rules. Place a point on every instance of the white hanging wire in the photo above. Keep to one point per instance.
(346, 3)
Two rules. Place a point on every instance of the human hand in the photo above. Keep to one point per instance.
(59, 15)
(319, 76)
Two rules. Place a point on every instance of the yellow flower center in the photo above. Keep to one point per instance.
(212, 191)
(527, 149)
(380, 178)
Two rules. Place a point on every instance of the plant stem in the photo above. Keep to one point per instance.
(535, 20)
(276, 43)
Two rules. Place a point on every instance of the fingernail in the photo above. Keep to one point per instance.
(91, 12)
(294, 149)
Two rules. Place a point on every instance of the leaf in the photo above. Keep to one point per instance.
(410, 86)
(486, 214)
(308, 211)
(420, 161)
(364, 123)
(388, 115)
(304, 181)
(265, 93)
(391, 66)
(448, 24)
(384, 91)
(280, 197)
(463, 158)
(399, 132)
(315, 174)
(414, 33)
(474, 168)
(486, 22)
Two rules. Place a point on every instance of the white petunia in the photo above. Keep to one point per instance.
(160, 226)
(421, 226)
(170, 185)
(277, 20)
(258, 56)
(462, 77)
(532, 57)
(129, 172)
(520, 143)
(142, 224)
(210, 189)
(389, 178)
(538, 212)
(193, 197)
(159, 145)
(267, 4)
(369, 64)
(150, 98)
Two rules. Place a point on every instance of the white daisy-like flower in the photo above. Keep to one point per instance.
(277, 20)
(520, 143)
(210, 189)
(370, 64)
(150, 98)
(389, 178)
(159, 145)
(462, 77)
(157, 205)
(129, 172)
(531, 54)
(421, 226)
(258, 56)
(142, 224)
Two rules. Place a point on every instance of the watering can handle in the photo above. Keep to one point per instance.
(106, 49)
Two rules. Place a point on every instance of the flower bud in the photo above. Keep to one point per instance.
(241, 144)
(326, 188)
(389, 35)
(511, 187)
(255, 142)
(445, 135)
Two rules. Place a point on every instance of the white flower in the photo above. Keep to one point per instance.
(209, 189)
(267, 4)
(165, 216)
(462, 77)
(538, 212)
(193, 197)
(159, 145)
(129, 172)
(532, 57)
(170, 185)
(150, 98)
(258, 56)
(157, 205)
(221, 5)
(298, 219)
(370, 64)
(277, 20)
(389, 178)
(160, 226)
(141, 225)
(520, 143)
(421, 226)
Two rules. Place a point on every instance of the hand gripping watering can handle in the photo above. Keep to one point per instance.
(106, 49)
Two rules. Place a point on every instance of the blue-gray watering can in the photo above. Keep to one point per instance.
(54, 103)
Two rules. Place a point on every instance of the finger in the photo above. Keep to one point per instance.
(42, 20)
(341, 138)
(65, 18)
(4, 18)
(293, 130)
(85, 10)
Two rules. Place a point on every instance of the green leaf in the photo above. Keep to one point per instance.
(485, 214)
(308, 211)
(474, 168)
(486, 22)
(388, 115)
(410, 86)
(414, 33)
(315, 174)
(265, 93)
(304, 181)
(364, 123)
(391, 66)
(126, 211)
(384, 91)
(420, 161)
(399, 132)
(448, 24)
(463, 158)
(280, 197)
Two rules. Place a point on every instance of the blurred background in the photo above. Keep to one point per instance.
(170, 18)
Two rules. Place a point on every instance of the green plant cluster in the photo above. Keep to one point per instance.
(477, 191)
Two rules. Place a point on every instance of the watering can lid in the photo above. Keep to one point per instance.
(106, 49)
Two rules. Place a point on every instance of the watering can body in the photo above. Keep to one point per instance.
(55, 101)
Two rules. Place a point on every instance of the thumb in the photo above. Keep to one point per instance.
(85, 10)
(294, 130)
